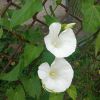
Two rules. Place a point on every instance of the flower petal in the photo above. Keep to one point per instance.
(52, 85)
(54, 28)
(64, 76)
(43, 70)
(68, 42)
(65, 43)
(49, 43)
(63, 68)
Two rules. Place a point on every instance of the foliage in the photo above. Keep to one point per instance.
(56, 96)
(22, 50)
(91, 15)
(1, 32)
(16, 94)
(23, 62)
(97, 44)
(30, 8)
(32, 86)
(72, 92)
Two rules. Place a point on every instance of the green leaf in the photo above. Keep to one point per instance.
(44, 95)
(72, 92)
(34, 35)
(50, 19)
(58, 2)
(10, 76)
(91, 16)
(16, 94)
(26, 12)
(1, 32)
(90, 96)
(32, 86)
(30, 53)
(97, 44)
(47, 57)
(5, 22)
(56, 96)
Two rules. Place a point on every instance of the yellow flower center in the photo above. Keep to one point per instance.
(52, 74)
(56, 43)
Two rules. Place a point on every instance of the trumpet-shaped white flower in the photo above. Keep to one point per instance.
(60, 44)
(57, 77)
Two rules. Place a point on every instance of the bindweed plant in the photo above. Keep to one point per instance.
(50, 59)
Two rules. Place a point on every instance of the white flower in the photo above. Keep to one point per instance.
(60, 44)
(57, 77)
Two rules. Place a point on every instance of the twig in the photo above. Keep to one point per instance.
(20, 37)
(64, 7)
(75, 17)
(34, 20)
(15, 5)
(52, 11)
(12, 56)
(45, 10)
(35, 16)
(55, 8)
(44, 2)
(79, 30)
(67, 9)
(8, 5)
(4, 55)
(41, 22)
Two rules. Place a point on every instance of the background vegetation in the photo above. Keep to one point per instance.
(22, 50)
